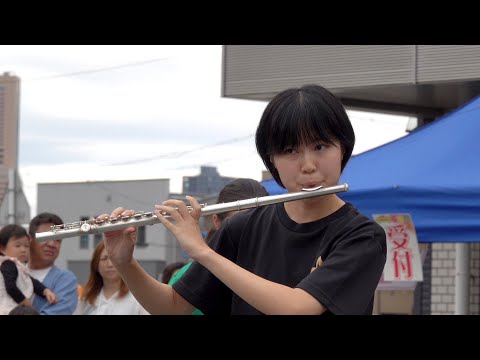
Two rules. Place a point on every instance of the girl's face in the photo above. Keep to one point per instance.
(308, 166)
(106, 269)
(18, 248)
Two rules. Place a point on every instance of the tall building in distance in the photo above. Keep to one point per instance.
(208, 182)
(9, 119)
(18, 211)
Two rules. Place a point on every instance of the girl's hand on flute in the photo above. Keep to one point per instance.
(185, 225)
(120, 243)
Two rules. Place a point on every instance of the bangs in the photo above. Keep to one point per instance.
(301, 122)
(303, 116)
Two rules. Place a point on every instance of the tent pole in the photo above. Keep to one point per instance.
(462, 278)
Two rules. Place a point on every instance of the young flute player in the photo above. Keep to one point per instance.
(312, 256)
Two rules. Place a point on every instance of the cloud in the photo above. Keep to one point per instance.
(86, 109)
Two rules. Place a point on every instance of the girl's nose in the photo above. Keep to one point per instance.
(308, 162)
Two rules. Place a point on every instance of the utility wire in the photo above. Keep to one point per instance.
(214, 162)
(92, 71)
(177, 154)
(378, 120)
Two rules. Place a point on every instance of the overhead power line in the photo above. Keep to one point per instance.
(177, 154)
(379, 119)
(214, 162)
(97, 70)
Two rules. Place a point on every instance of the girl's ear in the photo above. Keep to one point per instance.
(216, 221)
(271, 160)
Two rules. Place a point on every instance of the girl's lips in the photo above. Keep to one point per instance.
(310, 185)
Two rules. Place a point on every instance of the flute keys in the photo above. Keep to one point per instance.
(150, 218)
(85, 227)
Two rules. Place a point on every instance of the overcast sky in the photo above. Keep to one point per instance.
(116, 112)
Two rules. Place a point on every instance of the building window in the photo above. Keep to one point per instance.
(141, 241)
(84, 238)
(96, 239)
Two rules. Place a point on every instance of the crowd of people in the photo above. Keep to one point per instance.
(29, 277)
(311, 256)
(27, 265)
(105, 292)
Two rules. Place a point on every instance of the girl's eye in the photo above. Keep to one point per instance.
(319, 147)
(289, 151)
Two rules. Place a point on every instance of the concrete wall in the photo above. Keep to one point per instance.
(72, 201)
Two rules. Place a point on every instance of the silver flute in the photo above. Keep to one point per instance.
(141, 218)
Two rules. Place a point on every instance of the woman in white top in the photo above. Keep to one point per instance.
(105, 293)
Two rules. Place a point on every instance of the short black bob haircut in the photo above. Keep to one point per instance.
(299, 116)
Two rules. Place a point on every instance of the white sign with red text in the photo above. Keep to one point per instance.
(403, 256)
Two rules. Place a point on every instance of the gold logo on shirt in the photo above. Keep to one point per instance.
(317, 264)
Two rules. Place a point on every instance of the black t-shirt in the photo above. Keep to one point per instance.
(338, 260)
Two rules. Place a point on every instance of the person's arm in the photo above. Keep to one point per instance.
(10, 274)
(43, 291)
(38, 287)
(264, 295)
(65, 288)
(155, 297)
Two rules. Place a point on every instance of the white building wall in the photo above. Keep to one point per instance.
(443, 278)
(475, 279)
(72, 201)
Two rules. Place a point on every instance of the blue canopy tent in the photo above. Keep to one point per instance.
(433, 174)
